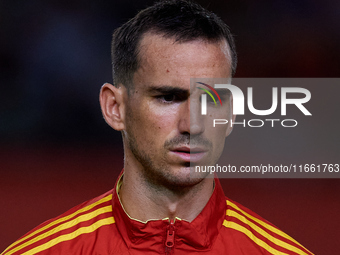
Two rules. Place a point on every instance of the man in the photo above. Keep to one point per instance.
(158, 205)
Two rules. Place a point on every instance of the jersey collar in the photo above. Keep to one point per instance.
(199, 234)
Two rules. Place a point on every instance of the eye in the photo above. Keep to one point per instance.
(167, 98)
(171, 97)
(210, 100)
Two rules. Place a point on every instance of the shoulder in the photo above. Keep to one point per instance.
(79, 223)
(247, 227)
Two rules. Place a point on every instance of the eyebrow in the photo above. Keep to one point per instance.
(166, 89)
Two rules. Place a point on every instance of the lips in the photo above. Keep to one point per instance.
(187, 154)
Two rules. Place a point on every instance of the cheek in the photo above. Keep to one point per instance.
(217, 133)
(152, 122)
(162, 122)
(223, 117)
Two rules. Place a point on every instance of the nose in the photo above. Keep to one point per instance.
(191, 120)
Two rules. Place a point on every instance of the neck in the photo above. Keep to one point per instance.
(143, 200)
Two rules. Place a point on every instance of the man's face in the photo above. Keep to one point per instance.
(162, 126)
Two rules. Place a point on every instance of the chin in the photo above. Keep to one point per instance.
(185, 177)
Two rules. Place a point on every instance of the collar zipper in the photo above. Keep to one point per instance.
(170, 236)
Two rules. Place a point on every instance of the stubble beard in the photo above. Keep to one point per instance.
(159, 174)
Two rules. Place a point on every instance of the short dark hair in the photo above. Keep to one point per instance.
(181, 19)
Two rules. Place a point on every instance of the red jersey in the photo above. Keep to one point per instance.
(101, 226)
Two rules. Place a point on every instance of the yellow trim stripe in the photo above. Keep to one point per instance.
(66, 225)
(67, 237)
(265, 234)
(233, 225)
(89, 207)
(264, 224)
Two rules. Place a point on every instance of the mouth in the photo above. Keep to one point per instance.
(187, 154)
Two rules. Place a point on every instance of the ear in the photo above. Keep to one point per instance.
(113, 105)
(233, 117)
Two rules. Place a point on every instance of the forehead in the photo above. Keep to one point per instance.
(164, 60)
